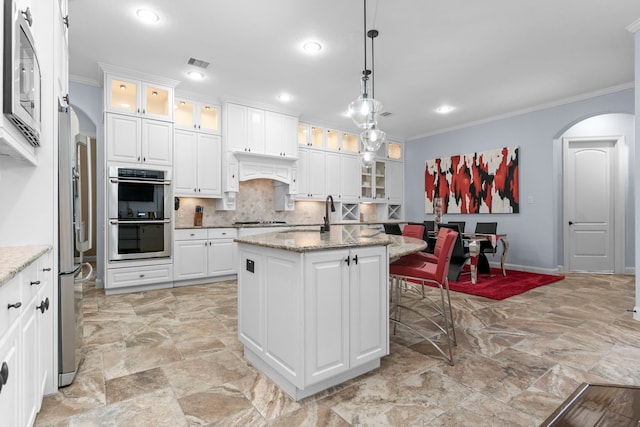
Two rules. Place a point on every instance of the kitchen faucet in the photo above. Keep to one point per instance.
(327, 226)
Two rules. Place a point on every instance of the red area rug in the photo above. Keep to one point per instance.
(499, 287)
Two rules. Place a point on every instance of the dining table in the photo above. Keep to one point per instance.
(473, 242)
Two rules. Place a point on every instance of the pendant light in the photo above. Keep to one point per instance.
(364, 111)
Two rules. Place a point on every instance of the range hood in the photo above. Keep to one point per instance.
(261, 166)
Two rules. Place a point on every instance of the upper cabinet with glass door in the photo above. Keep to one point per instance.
(195, 115)
(311, 136)
(394, 150)
(138, 97)
(342, 141)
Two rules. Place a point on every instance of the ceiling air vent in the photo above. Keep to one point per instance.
(198, 63)
(385, 114)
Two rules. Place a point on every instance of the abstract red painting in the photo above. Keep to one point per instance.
(482, 182)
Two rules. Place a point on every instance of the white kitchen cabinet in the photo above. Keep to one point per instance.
(312, 320)
(204, 253)
(345, 310)
(280, 135)
(190, 254)
(394, 181)
(135, 140)
(222, 252)
(244, 128)
(10, 394)
(349, 177)
(257, 131)
(136, 276)
(197, 116)
(197, 164)
(136, 97)
(311, 174)
(332, 174)
(26, 342)
(61, 49)
(394, 150)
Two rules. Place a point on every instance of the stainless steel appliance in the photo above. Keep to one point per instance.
(21, 73)
(71, 240)
(139, 206)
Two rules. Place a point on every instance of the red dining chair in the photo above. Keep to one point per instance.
(410, 273)
(413, 230)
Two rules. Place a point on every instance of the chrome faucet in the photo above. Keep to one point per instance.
(327, 226)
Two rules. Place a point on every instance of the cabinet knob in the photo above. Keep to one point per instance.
(138, 111)
(35, 282)
(144, 111)
(195, 190)
(141, 276)
(4, 373)
(46, 269)
(195, 126)
(16, 305)
(44, 305)
(144, 159)
(138, 158)
(233, 176)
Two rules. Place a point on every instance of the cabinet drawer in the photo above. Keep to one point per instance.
(9, 294)
(223, 233)
(137, 276)
(190, 234)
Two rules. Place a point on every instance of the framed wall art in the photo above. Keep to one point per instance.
(482, 182)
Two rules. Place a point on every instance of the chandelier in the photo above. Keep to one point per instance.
(365, 109)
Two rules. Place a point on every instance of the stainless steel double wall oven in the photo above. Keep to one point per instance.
(139, 206)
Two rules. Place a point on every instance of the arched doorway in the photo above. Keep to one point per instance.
(595, 214)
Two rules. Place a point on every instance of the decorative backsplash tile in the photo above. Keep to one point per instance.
(254, 202)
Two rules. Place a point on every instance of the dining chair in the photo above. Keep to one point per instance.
(392, 229)
(409, 277)
(460, 224)
(413, 230)
(459, 256)
(429, 228)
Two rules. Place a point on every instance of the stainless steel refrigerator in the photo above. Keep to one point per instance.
(73, 240)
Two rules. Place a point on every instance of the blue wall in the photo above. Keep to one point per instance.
(533, 233)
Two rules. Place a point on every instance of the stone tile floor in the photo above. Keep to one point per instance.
(171, 358)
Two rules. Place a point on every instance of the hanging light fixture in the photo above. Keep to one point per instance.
(364, 110)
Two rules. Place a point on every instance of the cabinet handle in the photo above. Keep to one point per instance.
(224, 234)
(138, 111)
(198, 126)
(199, 190)
(195, 126)
(37, 282)
(4, 373)
(16, 305)
(46, 269)
(44, 305)
(141, 276)
(144, 159)
(233, 176)
(355, 258)
(195, 190)
(348, 261)
(138, 158)
(144, 111)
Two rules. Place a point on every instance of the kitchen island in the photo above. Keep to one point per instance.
(312, 307)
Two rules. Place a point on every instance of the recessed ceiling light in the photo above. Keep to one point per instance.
(148, 16)
(312, 47)
(284, 97)
(195, 75)
(445, 109)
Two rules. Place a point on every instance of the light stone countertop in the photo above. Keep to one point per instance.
(269, 224)
(14, 259)
(340, 236)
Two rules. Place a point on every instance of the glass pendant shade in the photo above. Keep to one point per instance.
(372, 138)
(366, 159)
(364, 110)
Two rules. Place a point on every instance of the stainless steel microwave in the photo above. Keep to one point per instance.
(21, 73)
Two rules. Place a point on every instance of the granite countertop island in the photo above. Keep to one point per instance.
(307, 239)
(313, 308)
(14, 259)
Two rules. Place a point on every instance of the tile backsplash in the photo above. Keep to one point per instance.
(254, 202)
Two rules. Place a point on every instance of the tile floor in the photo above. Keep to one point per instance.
(171, 358)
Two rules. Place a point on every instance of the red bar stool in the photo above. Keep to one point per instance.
(409, 273)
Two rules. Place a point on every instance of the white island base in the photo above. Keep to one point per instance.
(310, 390)
(312, 310)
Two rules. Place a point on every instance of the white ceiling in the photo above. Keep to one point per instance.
(487, 58)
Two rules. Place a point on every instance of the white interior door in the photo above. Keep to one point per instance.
(590, 198)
